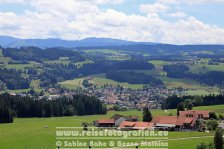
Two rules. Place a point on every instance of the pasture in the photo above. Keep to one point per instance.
(99, 80)
(64, 62)
(197, 68)
(22, 66)
(184, 83)
(80, 64)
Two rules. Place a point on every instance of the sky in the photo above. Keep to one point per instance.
(161, 21)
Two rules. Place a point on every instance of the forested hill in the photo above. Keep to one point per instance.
(155, 47)
(100, 43)
(7, 41)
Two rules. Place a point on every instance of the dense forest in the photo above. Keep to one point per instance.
(176, 70)
(12, 79)
(37, 54)
(133, 78)
(17, 106)
(133, 65)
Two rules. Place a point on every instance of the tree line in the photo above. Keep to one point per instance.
(173, 101)
(37, 54)
(17, 106)
(133, 78)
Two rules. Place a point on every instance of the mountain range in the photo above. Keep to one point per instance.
(7, 41)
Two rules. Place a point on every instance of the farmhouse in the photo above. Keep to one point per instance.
(118, 119)
(127, 125)
(186, 120)
(105, 123)
(115, 120)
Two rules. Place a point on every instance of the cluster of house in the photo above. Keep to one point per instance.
(131, 98)
(185, 121)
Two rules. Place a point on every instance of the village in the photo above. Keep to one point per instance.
(125, 98)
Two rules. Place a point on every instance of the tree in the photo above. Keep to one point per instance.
(221, 116)
(47, 110)
(218, 138)
(212, 124)
(180, 107)
(147, 116)
(188, 104)
(116, 107)
(5, 113)
(69, 111)
(200, 124)
(198, 100)
(203, 145)
(212, 115)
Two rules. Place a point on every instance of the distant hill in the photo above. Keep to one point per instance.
(105, 43)
(7, 41)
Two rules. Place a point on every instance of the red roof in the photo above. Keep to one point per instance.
(126, 124)
(106, 121)
(174, 120)
(184, 120)
(136, 125)
(165, 119)
(195, 113)
(143, 125)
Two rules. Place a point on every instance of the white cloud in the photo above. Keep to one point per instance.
(153, 8)
(104, 1)
(204, 1)
(11, 1)
(78, 19)
(189, 1)
(177, 14)
(62, 2)
(169, 1)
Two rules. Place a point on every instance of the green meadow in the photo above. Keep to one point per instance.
(99, 80)
(39, 133)
(80, 64)
(197, 68)
(21, 66)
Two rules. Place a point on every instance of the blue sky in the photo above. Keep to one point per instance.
(166, 21)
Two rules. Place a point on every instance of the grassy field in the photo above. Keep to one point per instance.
(159, 66)
(65, 62)
(184, 83)
(72, 84)
(195, 87)
(118, 57)
(105, 51)
(200, 68)
(80, 64)
(32, 133)
(21, 66)
(115, 55)
(204, 92)
(15, 91)
(5, 59)
(99, 80)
